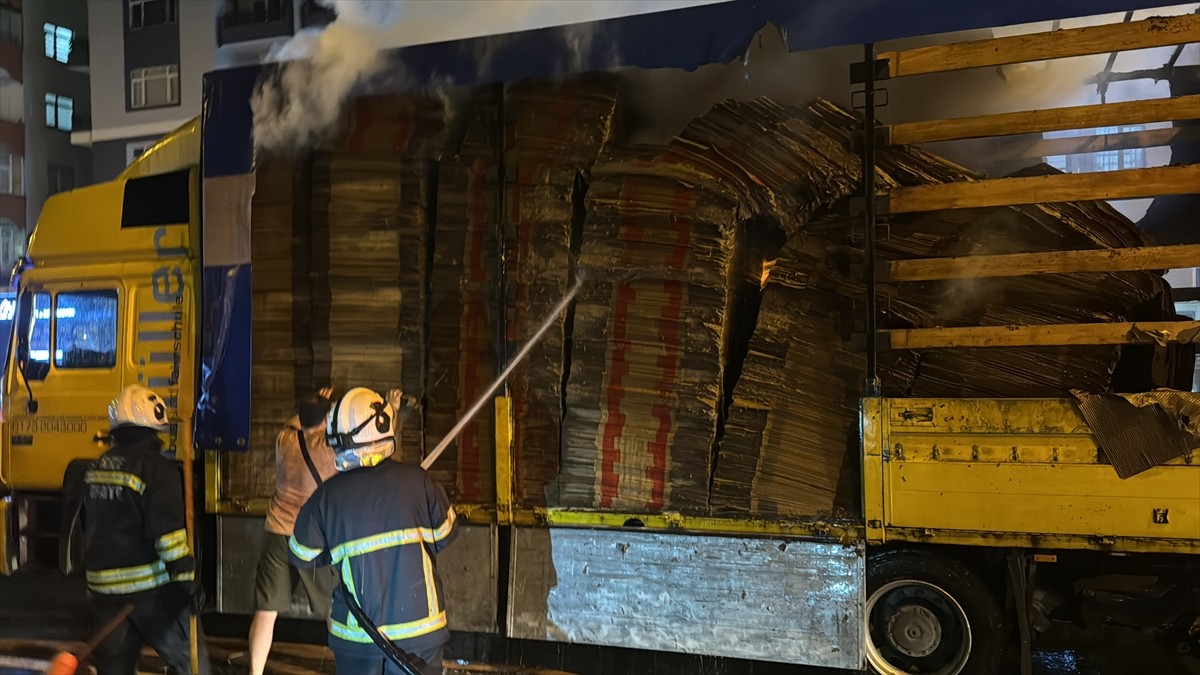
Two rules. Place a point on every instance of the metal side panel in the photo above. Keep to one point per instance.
(769, 599)
(467, 567)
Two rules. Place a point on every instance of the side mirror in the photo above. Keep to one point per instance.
(31, 407)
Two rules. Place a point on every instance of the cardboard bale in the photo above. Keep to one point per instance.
(554, 133)
(371, 201)
(463, 303)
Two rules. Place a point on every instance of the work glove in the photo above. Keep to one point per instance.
(195, 591)
(399, 400)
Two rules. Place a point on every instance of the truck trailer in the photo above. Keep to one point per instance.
(667, 480)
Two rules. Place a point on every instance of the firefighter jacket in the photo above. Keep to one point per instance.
(381, 528)
(134, 531)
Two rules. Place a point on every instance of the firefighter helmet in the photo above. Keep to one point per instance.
(361, 429)
(137, 406)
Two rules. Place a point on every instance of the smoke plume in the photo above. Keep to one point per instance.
(300, 101)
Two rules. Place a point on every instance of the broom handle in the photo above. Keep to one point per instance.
(189, 519)
(104, 632)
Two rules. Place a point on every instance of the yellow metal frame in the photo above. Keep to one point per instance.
(1015, 472)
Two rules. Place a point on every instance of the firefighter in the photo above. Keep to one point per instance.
(381, 524)
(135, 542)
(302, 459)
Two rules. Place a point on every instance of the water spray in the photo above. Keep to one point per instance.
(486, 396)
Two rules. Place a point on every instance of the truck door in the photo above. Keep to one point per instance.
(64, 372)
(67, 349)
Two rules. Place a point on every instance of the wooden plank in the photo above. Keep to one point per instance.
(1054, 119)
(1049, 262)
(1037, 148)
(1152, 32)
(1067, 187)
(1067, 334)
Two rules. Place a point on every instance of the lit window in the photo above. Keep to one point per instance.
(1106, 160)
(11, 172)
(153, 87)
(58, 42)
(146, 13)
(59, 111)
(85, 330)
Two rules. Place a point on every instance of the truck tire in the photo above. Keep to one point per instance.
(929, 614)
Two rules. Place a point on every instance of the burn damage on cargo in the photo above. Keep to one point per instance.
(714, 361)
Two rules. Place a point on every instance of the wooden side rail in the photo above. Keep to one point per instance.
(1048, 262)
(1152, 32)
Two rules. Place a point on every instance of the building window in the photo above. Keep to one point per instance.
(147, 13)
(315, 15)
(11, 172)
(58, 42)
(60, 178)
(153, 87)
(10, 25)
(85, 330)
(1107, 160)
(59, 111)
(255, 11)
(136, 149)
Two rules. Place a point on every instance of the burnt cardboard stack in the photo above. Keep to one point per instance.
(279, 354)
(554, 132)
(463, 304)
(652, 329)
(790, 441)
(370, 197)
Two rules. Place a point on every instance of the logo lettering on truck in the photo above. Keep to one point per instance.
(165, 346)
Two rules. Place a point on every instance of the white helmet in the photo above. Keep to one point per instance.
(360, 429)
(137, 406)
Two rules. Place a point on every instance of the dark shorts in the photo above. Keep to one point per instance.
(276, 580)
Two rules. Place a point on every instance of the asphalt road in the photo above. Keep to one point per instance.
(51, 607)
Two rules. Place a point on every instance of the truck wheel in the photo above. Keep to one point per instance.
(930, 615)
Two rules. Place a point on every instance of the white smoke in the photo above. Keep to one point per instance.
(301, 101)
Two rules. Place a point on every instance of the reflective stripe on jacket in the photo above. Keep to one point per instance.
(382, 528)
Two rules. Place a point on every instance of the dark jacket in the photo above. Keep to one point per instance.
(134, 531)
(382, 528)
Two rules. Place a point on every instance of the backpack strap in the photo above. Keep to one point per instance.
(312, 468)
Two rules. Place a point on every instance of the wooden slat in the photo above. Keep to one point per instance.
(1068, 334)
(1067, 187)
(1036, 148)
(1050, 262)
(1054, 119)
(1153, 32)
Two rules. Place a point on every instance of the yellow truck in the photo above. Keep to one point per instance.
(982, 520)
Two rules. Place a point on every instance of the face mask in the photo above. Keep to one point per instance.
(366, 456)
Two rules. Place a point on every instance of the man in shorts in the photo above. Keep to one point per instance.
(294, 484)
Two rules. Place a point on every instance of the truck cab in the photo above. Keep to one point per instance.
(104, 299)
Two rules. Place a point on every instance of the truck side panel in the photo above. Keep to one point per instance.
(468, 569)
(768, 599)
(969, 471)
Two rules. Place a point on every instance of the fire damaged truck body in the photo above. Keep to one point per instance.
(829, 395)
